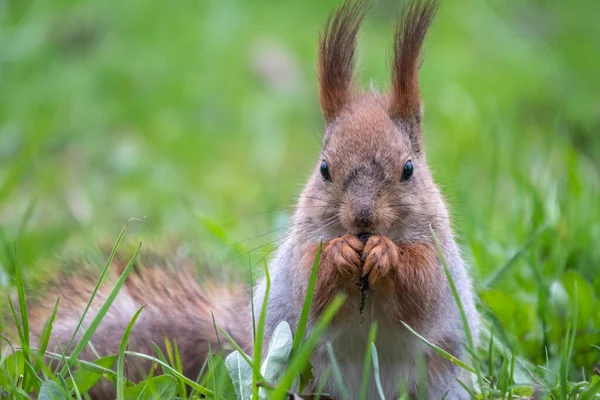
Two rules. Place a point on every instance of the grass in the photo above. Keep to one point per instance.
(167, 112)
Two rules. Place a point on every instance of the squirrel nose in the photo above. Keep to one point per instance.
(363, 218)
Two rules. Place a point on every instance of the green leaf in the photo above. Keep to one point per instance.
(241, 375)
(50, 390)
(159, 387)
(278, 353)
(218, 379)
(84, 378)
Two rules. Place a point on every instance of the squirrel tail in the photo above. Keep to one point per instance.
(177, 308)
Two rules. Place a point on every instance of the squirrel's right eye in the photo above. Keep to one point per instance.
(325, 171)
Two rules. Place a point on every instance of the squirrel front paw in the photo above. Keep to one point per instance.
(344, 253)
(379, 256)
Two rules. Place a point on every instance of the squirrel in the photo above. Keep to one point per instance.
(371, 203)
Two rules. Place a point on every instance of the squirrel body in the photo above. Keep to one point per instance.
(372, 203)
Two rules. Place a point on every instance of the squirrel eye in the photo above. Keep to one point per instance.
(407, 172)
(325, 171)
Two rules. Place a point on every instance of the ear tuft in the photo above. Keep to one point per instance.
(411, 30)
(337, 50)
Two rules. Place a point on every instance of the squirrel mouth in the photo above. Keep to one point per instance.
(363, 236)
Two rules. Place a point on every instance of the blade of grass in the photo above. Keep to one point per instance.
(337, 374)
(376, 375)
(24, 317)
(237, 347)
(310, 290)
(14, 357)
(89, 332)
(498, 273)
(569, 345)
(258, 339)
(100, 280)
(252, 296)
(472, 394)
(217, 335)
(463, 315)
(322, 381)
(439, 350)
(367, 364)
(121, 356)
(303, 353)
(200, 389)
(45, 336)
(112, 375)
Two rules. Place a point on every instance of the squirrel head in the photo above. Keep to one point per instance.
(372, 176)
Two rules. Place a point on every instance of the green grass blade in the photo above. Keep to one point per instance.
(497, 274)
(217, 335)
(100, 280)
(24, 317)
(364, 385)
(258, 339)
(45, 337)
(472, 394)
(89, 332)
(376, 374)
(121, 357)
(199, 388)
(237, 347)
(310, 290)
(303, 352)
(591, 391)
(569, 345)
(337, 374)
(109, 373)
(463, 315)
(439, 350)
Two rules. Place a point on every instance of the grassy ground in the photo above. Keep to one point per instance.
(202, 118)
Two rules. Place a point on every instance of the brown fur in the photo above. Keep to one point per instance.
(177, 308)
(337, 56)
(408, 41)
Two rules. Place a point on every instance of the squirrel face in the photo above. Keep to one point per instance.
(372, 176)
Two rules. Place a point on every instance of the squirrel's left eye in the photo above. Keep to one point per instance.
(325, 171)
(407, 171)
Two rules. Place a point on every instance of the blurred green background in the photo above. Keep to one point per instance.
(202, 117)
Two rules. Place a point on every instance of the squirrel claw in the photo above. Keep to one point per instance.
(379, 256)
(344, 253)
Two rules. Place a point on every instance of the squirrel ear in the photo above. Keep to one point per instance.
(411, 30)
(337, 47)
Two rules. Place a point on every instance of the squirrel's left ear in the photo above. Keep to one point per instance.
(337, 50)
(405, 98)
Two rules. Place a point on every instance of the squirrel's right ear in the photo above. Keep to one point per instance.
(337, 49)
(412, 28)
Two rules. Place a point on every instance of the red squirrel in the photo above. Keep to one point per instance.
(371, 201)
